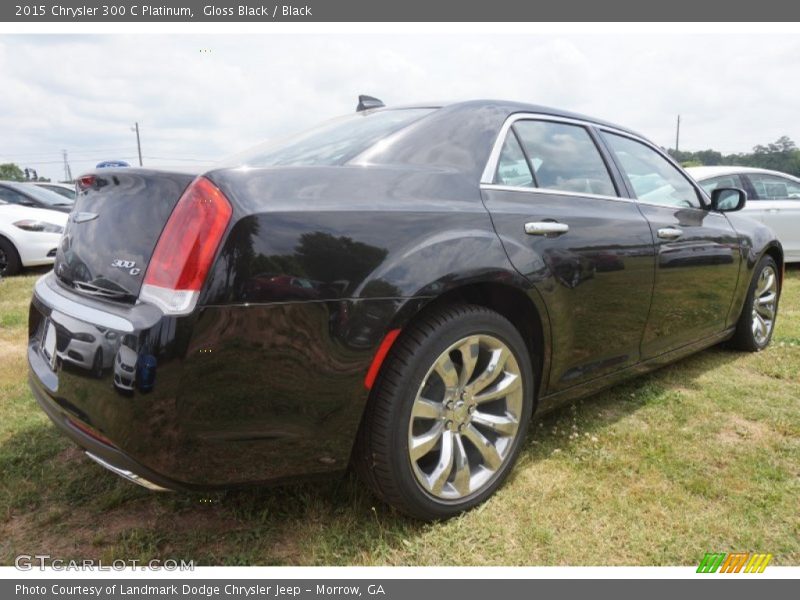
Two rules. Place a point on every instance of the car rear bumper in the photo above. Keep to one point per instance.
(102, 452)
(122, 432)
(227, 396)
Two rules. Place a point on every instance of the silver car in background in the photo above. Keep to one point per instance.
(772, 198)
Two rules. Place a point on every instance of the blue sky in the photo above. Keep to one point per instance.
(200, 98)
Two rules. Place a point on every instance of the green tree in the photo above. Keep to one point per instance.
(11, 172)
(781, 155)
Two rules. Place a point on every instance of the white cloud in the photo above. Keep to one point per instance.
(83, 93)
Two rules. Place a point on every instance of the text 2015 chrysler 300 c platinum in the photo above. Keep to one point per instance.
(400, 289)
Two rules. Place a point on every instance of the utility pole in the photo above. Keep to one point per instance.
(67, 170)
(138, 141)
(678, 135)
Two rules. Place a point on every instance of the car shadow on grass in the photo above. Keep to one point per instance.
(54, 500)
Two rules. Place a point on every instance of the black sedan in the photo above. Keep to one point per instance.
(401, 289)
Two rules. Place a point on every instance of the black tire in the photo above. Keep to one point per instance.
(9, 259)
(382, 451)
(745, 338)
(97, 364)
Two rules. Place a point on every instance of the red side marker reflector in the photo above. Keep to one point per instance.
(380, 355)
(90, 432)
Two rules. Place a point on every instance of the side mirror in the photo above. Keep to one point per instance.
(728, 199)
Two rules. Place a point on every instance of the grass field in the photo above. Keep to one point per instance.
(701, 456)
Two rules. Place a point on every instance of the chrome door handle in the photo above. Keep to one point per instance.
(546, 228)
(669, 233)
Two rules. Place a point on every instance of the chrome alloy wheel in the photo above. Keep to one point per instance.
(465, 417)
(765, 301)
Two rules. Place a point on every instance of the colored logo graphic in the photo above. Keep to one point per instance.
(734, 562)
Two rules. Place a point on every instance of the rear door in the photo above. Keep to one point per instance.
(698, 254)
(587, 249)
(778, 202)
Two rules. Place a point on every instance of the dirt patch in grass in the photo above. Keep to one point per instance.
(738, 429)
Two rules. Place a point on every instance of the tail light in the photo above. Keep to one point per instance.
(186, 248)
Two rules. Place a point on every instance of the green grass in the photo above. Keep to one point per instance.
(701, 456)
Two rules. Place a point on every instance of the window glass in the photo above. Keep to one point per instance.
(564, 157)
(11, 196)
(512, 168)
(332, 143)
(773, 187)
(724, 181)
(654, 179)
(39, 195)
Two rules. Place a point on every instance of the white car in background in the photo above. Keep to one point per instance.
(772, 198)
(28, 236)
(62, 189)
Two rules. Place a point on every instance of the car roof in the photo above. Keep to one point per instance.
(701, 173)
(511, 107)
(66, 186)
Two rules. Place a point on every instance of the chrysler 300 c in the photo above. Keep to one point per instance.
(399, 290)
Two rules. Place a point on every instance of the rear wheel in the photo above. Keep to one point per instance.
(757, 321)
(9, 259)
(448, 413)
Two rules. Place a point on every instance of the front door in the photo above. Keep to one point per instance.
(698, 255)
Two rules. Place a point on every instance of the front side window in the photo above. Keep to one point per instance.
(773, 187)
(564, 157)
(724, 181)
(655, 180)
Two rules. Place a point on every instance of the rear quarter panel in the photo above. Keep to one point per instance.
(318, 265)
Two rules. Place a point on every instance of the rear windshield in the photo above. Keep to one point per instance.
(332, 143)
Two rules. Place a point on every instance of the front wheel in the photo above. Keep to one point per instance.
(9, 259)
(757, 321)
(448, 413)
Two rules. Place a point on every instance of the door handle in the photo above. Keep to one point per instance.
(546, 228)
(669, 233)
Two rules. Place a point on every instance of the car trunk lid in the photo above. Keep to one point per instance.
(113, 230)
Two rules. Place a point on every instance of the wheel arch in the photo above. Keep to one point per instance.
(524, 309)
(775, 251)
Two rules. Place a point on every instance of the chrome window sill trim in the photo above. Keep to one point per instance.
(547, 191)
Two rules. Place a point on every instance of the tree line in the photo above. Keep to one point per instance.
(782, 155)
(12, 172)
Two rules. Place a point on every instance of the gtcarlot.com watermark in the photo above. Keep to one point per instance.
(29, 562)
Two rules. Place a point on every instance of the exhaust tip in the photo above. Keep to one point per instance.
(129, 475)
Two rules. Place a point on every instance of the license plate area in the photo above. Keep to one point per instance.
(49, 343)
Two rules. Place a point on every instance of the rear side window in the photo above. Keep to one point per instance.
(332, 143)
(513, 169)
(564, 157)
(773, 187)
(724, 181)
(655, 180)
